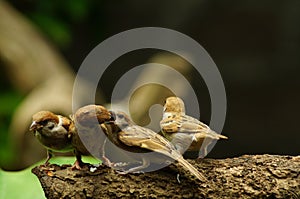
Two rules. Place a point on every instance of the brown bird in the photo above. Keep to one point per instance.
(89, 137)
(137, 137)
(185, 132)
(52, 131)
(61, 134)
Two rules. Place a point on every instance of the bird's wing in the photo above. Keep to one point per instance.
(169, 125)
(189, 124)
(145, 138)
(201, 130)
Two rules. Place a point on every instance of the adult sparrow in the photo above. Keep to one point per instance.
(53, 132)
(61, 134)
(185, 132)
(136, 138)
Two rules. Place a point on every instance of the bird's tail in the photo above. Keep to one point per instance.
(186, 165)
(222, 136)
(210, 134)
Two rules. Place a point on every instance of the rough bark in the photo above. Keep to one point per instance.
(248, 176)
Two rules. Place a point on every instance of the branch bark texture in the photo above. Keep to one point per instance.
(248, 176)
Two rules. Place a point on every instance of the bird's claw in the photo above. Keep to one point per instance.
(124, 172)
(77, 165)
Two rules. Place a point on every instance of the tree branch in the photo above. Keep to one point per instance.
(248, 176)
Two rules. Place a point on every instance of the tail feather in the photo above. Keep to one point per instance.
(215, 135)
(185, 164)
(223, 136)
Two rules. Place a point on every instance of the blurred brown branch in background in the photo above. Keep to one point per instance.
(35, 68)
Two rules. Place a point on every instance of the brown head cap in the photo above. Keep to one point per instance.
(174, 104)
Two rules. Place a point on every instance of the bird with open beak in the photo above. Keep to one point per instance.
(135, 138)
(61, 134)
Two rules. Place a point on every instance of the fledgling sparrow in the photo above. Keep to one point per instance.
(89, 122)
(134, 137)
(52, 131)
(185, 132)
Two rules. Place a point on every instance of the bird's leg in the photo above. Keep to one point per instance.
(106, 161)
(78, 162)
(49, 156)
(137, 169)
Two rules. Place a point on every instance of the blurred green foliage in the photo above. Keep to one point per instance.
(23, 184)
(57, 19)
(54, 18)
(9, 100)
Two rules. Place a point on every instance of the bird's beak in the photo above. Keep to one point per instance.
(33, 126)
(109, 122)
(165, 108)
(112, 117)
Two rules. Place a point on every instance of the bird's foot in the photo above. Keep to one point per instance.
(123, 170)
(133, 170)
(120, 165)
(77, 165)
(107, 162)
(46, 164)
(200, 158)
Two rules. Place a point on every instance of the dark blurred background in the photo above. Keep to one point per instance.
(255, 44)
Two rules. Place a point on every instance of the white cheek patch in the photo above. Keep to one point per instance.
(59, 126)
(167, 115)
(59, 121)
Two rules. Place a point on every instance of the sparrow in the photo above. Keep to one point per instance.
(60, 134)
(53, 132)
(187, 133)
(89, 122)
(137, 139)
(94, 127)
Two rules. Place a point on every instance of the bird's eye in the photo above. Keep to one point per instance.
(43, 123)
(121, 116)
(50, 125)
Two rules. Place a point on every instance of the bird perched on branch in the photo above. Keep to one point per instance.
(135, 137)
(53, 131)
(185, 132)
(89, 137)
(61, 134)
